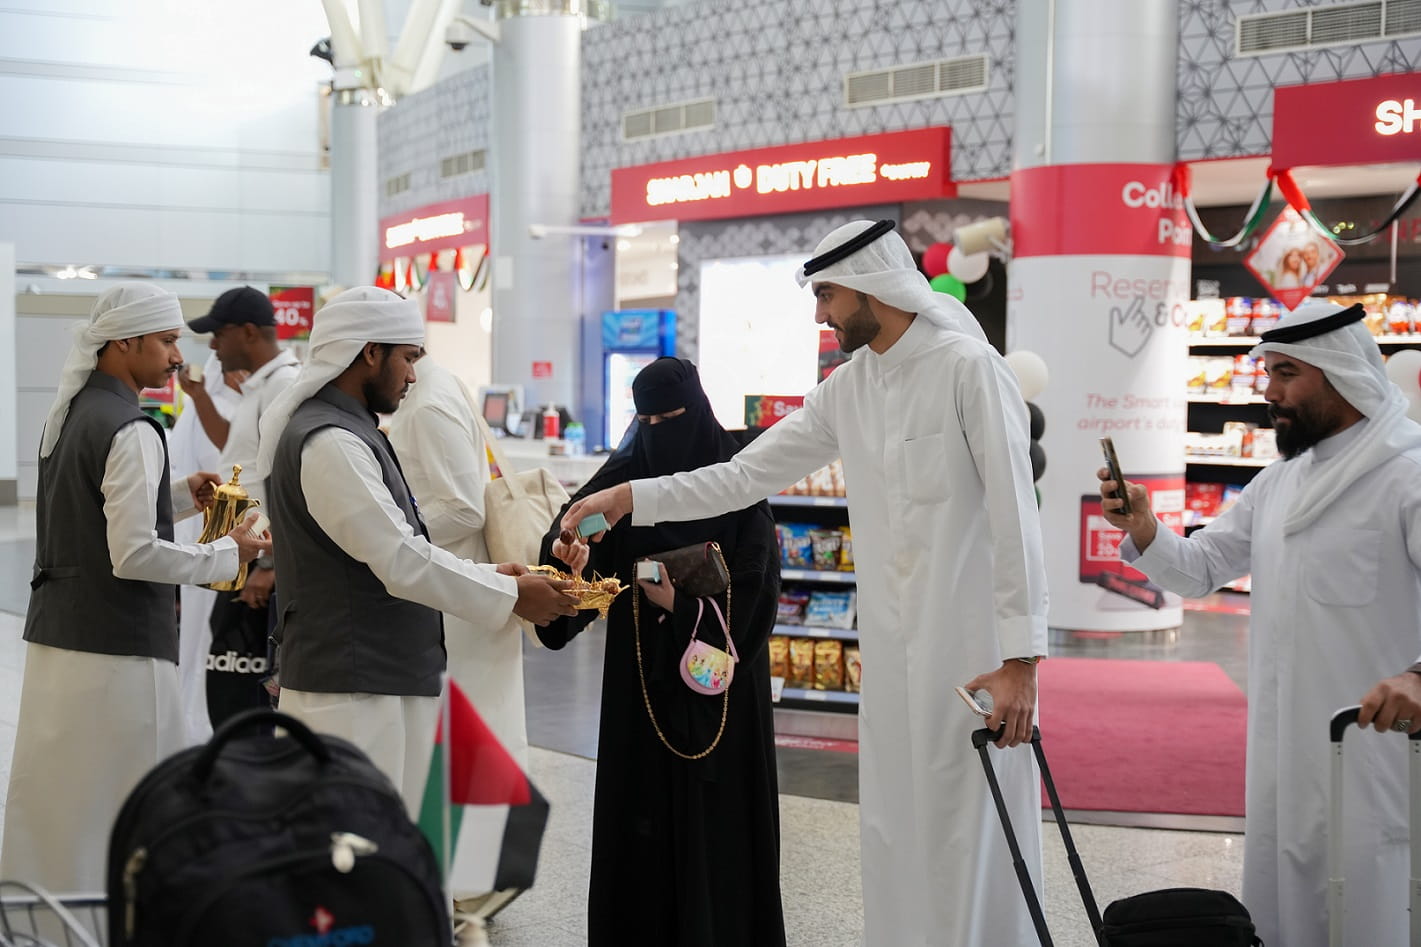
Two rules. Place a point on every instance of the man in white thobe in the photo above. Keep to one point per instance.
(100, 704)
(362, 644)
(1332, 537)
(933, 434)
(441, 446)
(191, 450)
(242, 326)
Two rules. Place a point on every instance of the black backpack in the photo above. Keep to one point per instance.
(271, 842)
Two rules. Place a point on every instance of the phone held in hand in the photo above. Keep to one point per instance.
(979, 701)
(1112, 462)
(592, 525)
(649, 570)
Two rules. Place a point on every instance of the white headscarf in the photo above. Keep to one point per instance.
(1350, 360)
(885, 270)
(123, 311)
(338, 333)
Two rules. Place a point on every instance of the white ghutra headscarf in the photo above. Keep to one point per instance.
(1349, 358)
(123, 311)
(338, 333)
(884, 269)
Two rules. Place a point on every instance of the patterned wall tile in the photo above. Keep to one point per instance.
(1225, 103)
(420, 130)
(775, 68)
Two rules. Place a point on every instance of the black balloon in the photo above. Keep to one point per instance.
(1038, 461)
(1038, 421)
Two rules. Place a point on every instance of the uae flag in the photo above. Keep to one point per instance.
(471, 774)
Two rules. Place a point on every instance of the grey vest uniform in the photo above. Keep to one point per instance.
(340, 631)
(77, 603)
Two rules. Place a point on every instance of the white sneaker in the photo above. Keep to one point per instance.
(469, 931)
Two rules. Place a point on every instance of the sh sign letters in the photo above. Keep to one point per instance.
(1369, 121)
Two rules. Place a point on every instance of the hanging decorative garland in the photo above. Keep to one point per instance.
(1298, 201)
(1251, 220)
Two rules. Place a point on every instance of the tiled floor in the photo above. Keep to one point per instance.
(820, 864)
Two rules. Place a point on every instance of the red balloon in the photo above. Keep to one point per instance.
(935, 259)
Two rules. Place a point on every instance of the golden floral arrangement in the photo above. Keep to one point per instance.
(596, 592)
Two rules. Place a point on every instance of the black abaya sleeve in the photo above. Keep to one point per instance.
(557, 633)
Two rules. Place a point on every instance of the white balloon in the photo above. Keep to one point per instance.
(1030, 371)
(1403, 368)
(968, 267)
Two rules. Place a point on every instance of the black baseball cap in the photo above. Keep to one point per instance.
(241, 306)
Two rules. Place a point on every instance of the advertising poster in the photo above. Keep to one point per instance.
(1099, 283)
(1292, 258)
(294, 305)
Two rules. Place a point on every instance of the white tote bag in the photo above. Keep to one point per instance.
(519, 508)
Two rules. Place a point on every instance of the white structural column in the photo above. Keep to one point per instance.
(9, 395)
(354, 183)
(537, 189)
(1099, 276)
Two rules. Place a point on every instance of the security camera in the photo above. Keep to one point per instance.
(459, 34)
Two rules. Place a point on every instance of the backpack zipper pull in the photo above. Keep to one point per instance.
(131, 868)
(345, 846)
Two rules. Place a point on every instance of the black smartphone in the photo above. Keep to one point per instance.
(1112, 462)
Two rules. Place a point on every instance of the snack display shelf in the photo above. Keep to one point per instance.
(816, 575)
(1239, 340)
(1227, 399)
(787, 500)
(833, 697)
(815, 631)
(1195, 460)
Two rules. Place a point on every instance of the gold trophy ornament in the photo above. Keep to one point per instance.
(229, 507)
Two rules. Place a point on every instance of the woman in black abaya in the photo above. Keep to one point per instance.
(685, 853)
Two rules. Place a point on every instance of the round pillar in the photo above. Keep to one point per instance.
(355, 250)
(1099, 277)
(536, 197)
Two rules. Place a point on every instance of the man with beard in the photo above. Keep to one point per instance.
(361, 638)
(933, 434)
(100, 703)
(1332, 537)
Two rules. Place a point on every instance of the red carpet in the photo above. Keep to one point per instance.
(1143, 736)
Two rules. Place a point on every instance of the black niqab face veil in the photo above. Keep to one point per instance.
(688, 441)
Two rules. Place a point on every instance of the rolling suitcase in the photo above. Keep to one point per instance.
(1173, 917)
(1341, 720)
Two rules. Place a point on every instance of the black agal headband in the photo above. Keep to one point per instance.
(1307, 330)
(852, 246)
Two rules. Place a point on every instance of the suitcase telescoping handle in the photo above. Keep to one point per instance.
(980, 740)
(1341, 720)
(249, 719)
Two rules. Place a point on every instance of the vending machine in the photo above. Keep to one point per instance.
(630, 340)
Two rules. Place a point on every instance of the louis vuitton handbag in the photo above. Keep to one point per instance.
(698, 570)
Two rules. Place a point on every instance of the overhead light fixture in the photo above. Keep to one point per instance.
(322, 50)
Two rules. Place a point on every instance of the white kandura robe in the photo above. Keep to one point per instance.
(363, 520)
(441, 450)
(947, 549)
(92, 725)
(189, 451)
(1336, 607)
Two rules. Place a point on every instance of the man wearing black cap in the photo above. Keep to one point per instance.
(242, 322)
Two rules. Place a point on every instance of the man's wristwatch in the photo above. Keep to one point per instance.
(1034, 659)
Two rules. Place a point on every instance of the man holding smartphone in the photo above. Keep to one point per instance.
(1332, 537)
(934, 438)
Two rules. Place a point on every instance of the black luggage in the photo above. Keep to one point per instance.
(297, 841)
(1341, 720)
(1173, 917)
